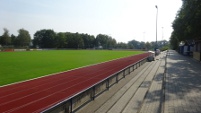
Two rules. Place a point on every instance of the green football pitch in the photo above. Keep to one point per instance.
(20, 66)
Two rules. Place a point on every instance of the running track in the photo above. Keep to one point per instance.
(40, 94)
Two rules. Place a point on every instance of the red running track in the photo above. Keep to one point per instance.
(40, 94)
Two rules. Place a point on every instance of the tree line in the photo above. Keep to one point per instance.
(187, 24)
(47, 38)
(50, 39)
(23, 39)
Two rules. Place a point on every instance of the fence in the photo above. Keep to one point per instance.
(77, 101)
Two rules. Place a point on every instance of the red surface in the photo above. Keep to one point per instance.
(40, 94)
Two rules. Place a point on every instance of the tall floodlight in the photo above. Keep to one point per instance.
(156, 26)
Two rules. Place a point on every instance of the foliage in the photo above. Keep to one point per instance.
(5, 38)
(187, 24)
(44, 38)
(13, 40)
(121, 45)
(89, 41)
(107, 42)
(148, 45)
(165, 48)
(74, 40)
(47, 38)
(134, 44)
(23, 39)
(60, 40)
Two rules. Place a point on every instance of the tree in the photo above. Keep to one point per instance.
(107, 42)
(135, 44)
(5, 38)
(121, 45)
(147, 45)
(191, 10)
(111, 42)
(130, 46)
(142, 45)
(60, 40)
(91, 41)
(44, 39)
(174, 41)
(79, 43)
(88, 40)
(187, 24)
(13, 40)
(101, 40)
(74, 40)
(23, 39)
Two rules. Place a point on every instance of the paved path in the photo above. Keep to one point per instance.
(183, 84)
(170, 84)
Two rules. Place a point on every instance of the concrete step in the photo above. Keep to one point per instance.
(122, 102)
(99, 101)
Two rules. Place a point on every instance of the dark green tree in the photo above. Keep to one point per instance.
(91, 41)
(23, 39)
(13, 40)
(44, 39)
(134, 44)
(79, 43)
(187, 24)
(111, 42)
(74, 40)
(5, 38)
(88, 40)
(107, 42)
(148, 46)
(122, 45)
(101, 40)
(60, 40)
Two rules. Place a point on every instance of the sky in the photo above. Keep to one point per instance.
(123, 20)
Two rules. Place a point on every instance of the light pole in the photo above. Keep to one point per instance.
(156, 26)
(162, 34)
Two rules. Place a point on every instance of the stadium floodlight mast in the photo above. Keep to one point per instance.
(156, 26)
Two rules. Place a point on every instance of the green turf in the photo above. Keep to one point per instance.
(19, 66)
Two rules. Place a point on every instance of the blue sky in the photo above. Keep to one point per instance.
(124, 20)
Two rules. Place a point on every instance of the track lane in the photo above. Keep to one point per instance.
(61, 80)
(59, 76)
(89, 75)
(62, 85)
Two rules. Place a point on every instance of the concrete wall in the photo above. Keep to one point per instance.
(112, 80)
(131, 68)
(62, 108)
(81, 99)
(120, 75)
(127, 71)
(100, 88)
(20, 49)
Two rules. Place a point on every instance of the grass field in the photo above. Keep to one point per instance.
(19, 66)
